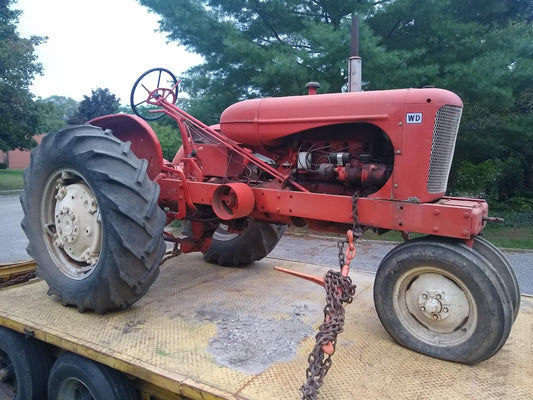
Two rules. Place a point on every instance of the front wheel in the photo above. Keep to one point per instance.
(440, 298)
(92, 219)
(255, 242)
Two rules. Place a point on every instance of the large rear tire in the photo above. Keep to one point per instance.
(254, 243)
(92, 219)
(441, 298)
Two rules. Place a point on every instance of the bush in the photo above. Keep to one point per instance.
(3, 165)
(516, 211)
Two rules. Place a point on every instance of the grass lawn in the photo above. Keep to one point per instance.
(11, 180)
(510, 237)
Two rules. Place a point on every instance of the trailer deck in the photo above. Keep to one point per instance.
(209, 332)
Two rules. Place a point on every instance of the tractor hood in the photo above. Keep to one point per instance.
(260, 122)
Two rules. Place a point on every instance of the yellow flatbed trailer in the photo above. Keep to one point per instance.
(209, 332)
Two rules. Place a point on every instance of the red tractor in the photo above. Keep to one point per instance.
(97, 198)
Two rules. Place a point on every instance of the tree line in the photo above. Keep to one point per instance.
(480, 49)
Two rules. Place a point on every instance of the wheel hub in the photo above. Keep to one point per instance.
(437, 303)
(434, 305)
(77, 223)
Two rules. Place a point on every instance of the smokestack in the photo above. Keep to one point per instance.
(354, 62)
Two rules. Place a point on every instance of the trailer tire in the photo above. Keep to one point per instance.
(73, 376)
(25, 363)
(92, 219)
(439, 298)
(235, 250)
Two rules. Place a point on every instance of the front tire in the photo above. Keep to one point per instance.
(441, 299)
(92, 219)
(503, 268)
(255, 242)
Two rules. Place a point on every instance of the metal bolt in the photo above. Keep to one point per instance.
(445, 309)
(61, 193)
(435, 316)
(422, 308)
(424, 296)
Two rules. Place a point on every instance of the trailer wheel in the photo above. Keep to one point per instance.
(439, 298)
(24, 366)
(92, 219)
(75, 377)
(253, 244)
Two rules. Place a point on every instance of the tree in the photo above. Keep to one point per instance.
(169, 136)
(257, 48)
(480, 49)
(18, 66)
(55, 112)
(102, 102)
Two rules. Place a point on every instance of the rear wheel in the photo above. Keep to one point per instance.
(24, 366)
(255, 242)
(73, 377)
(92, 219)
(440, 298)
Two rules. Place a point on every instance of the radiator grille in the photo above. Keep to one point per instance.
(445, 130)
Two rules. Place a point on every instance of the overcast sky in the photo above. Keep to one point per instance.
(96, 43)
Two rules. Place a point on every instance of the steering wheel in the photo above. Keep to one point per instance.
(153, 83)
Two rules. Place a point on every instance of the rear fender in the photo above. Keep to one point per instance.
(144, 141)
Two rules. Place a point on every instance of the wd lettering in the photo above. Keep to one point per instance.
(413, 118)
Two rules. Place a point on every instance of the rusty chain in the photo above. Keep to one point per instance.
(17, 278)
(339, 290)
(176, 251)
(357, 229)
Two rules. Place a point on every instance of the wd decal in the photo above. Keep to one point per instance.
(413, 118)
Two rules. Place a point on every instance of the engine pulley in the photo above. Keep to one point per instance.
(232, 201)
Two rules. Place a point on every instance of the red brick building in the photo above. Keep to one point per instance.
(18, 159)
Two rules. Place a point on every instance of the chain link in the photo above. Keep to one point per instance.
(176, 251)
(17, 278)
(356, 228)
(339, 290)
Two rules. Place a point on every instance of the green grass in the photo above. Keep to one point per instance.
(510, 237)
(11, 181)
(518, 237)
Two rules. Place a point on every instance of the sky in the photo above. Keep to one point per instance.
(96, 44)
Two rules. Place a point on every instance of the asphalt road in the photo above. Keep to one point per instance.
(314, 250)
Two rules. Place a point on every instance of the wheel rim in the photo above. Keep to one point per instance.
(222, 233)
(73, 389)
(8, 379)
(71, 223)
(430, 302)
